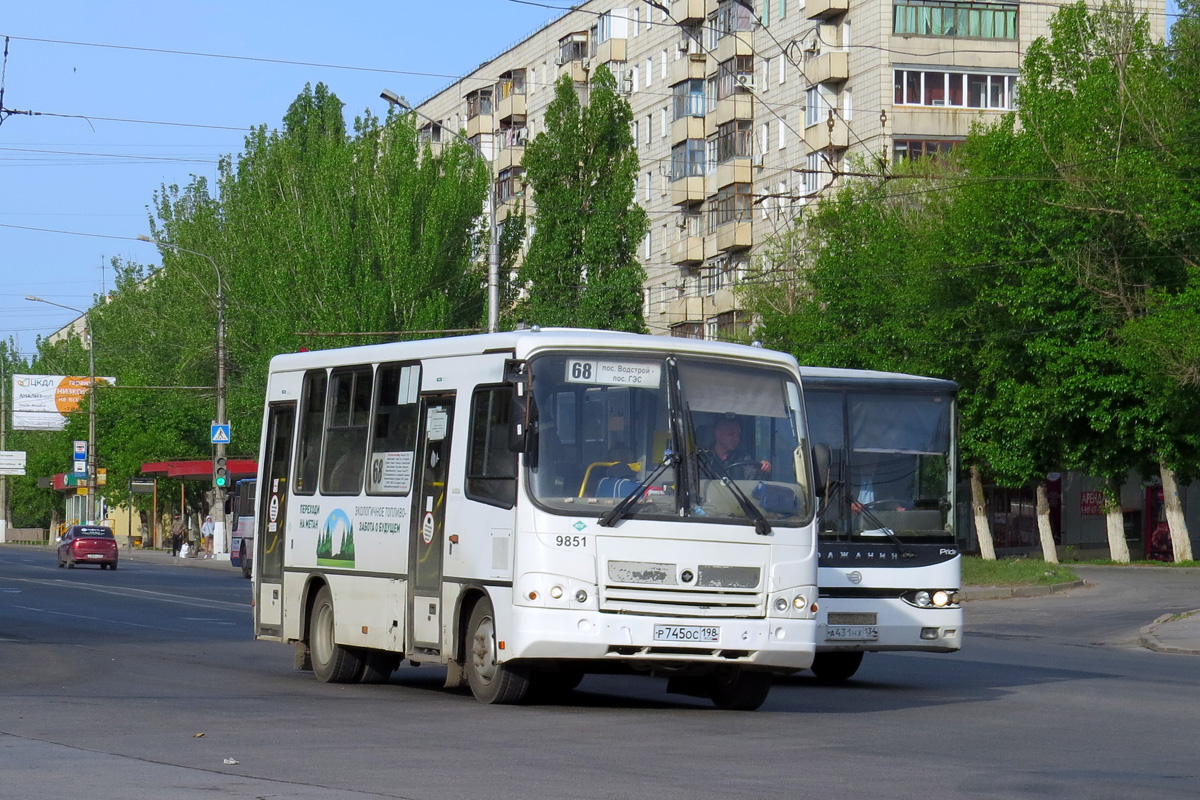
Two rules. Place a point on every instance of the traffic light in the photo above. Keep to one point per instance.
(220, 473)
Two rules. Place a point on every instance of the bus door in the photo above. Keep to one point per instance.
(272, 528)
(429, 523)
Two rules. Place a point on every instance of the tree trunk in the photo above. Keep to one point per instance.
(1049, 551)
(1114, 521)
(1181, 541)
(983, 526)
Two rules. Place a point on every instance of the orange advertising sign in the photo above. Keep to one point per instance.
(42, 402)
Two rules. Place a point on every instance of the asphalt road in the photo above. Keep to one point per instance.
(140, 683)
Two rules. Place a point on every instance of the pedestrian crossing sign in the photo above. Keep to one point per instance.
(220, 433)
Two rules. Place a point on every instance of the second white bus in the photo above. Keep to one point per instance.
(890, 568)
(527, 507)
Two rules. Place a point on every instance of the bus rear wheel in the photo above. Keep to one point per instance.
(739, 690)
(490, 681)
(836, 667)
(331, 662)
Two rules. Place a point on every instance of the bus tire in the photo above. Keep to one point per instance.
(740, 690)
(836, 667)
(490, 682)
(244, 561)
(378, 666)
(332, 662)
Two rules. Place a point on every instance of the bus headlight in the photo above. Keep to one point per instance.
(800, 602)
(556, 592)
(781, 604)
(581, 596)
(941, 599)
(922, 599)
(931, 598)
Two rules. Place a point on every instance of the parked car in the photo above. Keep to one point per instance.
(88, 544)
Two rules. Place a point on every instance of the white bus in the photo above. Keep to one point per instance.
(241, 549)
(527, 507)
(890, 568)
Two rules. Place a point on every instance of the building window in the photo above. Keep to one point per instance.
(573, 47)
(941, 18)
(812, 173)
(687, 159)
(649, 72)
(509, 183)
(734, 76)
(688, 98)
(431, 133)
(687, 330)
(479, 103)
(912, 149)
(730, 326)
(733, 16)
(511, 83)
(733, 203)
(664, 127)
(954, 89)
(735, 139)
(817, 103)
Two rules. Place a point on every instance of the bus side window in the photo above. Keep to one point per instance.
(312, 421)
(394, 431)
(346, 436)
(491, 465)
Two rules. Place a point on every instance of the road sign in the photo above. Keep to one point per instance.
(141, 486)
(220, 433)
(80, 468)
(12, 462)
(80, 450)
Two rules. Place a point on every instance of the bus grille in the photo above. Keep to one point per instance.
(673, 602)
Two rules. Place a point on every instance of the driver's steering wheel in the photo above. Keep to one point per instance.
(887, 504)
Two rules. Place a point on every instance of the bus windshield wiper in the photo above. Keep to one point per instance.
(609, 518)
(761, 526)
(888, 532)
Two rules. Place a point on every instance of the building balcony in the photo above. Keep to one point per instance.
(736, 235)
(734, 170)
(510, 107)
(831, 67)
(688, 250)
(480, 123)
(612, 50)
(739, 106)
(686, 128)
(824, 9)
(740, 43)
(819, 137)
(687, 191)
(579, 69)
(692, 66)
(686, 12)
(508, 157)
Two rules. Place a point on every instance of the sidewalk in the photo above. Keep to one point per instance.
(1170, 633)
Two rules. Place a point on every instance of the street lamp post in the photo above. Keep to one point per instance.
(219, 455)
(493, 299)
(91, 453)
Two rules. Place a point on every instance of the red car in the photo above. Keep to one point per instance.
(88, 544)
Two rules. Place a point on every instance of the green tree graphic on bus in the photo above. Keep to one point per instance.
(337, 525)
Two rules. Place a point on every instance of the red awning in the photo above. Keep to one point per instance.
(200, 470)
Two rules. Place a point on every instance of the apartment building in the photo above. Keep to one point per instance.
(745, 111)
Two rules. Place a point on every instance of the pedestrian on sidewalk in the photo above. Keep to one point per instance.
(206, 531)
(176, 536)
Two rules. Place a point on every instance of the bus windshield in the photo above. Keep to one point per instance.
(669, 437)
(891, 464)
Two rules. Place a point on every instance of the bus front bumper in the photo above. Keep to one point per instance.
(568, 634)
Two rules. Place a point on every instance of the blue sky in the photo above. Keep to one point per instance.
(109, 61)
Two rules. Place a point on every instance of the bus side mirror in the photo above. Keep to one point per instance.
(520, 411)
(822, 456)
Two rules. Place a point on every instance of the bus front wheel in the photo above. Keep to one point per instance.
(740, 690)
(836, 667)
(490, 681)
(331, 662)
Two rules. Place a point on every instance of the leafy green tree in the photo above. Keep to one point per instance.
(581, 268)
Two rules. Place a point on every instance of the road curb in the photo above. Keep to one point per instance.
(1148, 636)
(968, 593)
